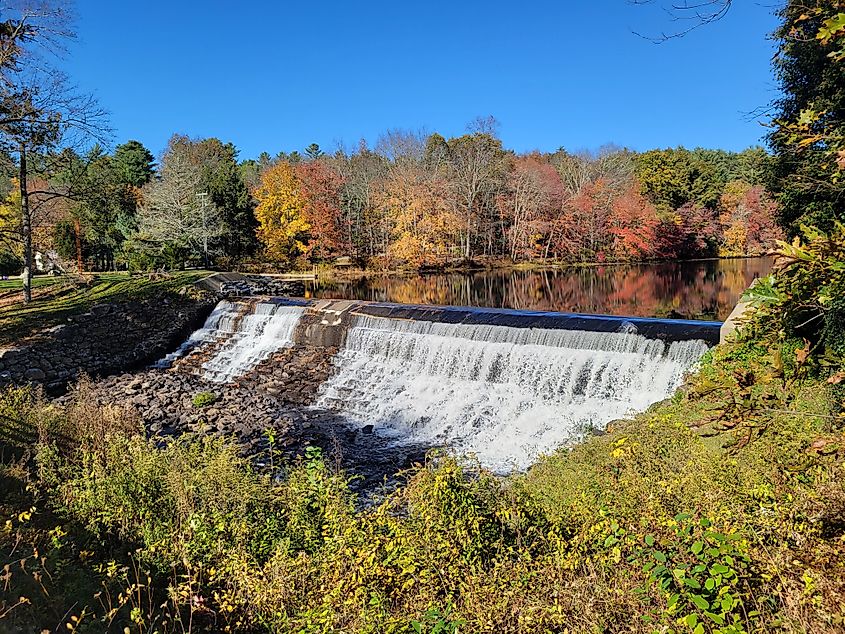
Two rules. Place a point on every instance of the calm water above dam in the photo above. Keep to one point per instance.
(705, 289)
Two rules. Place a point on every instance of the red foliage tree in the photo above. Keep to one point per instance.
(690, 231)
(531, 200)
(633, 225)
(320, 186)
(582, 231)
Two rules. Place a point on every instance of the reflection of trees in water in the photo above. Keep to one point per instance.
(705, 289)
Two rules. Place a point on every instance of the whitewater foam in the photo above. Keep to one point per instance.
(219, 324)
(504, 394)
(260, 333)
(243, 334)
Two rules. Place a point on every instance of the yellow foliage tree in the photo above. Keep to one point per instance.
(422, 220)
(10, 223)
(282, 227)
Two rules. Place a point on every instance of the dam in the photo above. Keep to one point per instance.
(504, 386)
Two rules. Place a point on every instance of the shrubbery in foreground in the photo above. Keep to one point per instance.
(722, 510)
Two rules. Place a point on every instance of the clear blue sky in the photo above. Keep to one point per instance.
(278, 75)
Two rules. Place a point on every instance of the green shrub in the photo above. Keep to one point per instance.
(204, 399)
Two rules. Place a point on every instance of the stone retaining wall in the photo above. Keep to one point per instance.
(108, 338)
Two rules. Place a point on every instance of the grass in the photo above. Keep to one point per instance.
(15, 283)
(57, 298)
(699, 515)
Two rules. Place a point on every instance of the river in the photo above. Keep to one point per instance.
(701, 289)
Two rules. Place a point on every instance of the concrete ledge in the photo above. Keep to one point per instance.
(328, 313)
(737, 317)
(215, 281)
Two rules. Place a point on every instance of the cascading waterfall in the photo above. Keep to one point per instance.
(259, 334)
(504, 394)
(243, 335)
(219, 324)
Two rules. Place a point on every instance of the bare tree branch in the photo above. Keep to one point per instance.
(688, 14)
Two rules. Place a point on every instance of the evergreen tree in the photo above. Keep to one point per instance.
(811, 119)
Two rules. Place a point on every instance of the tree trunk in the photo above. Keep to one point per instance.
(78, 231)
(26, 230)
(469, 228)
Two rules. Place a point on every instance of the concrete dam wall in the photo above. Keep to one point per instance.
(502, 385)
(322, 317)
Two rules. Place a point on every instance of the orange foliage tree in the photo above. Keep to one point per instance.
(423, 222)
(747, 219)
(320, 187)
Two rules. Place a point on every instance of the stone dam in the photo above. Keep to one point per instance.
(377, 385)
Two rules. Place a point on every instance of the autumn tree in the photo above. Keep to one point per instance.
(533, 197)
(367, 231)
(690, 231)
(423, 222)
(282, 224)
(107, 192)
(478, 166)
(748, 220)
(633, 225)
(320, 188)
(584, 234)
(40, 110)
(11, 248)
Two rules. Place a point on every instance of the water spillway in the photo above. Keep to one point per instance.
(238, 336)
(505, 386)
(261, 332)
(501, 393)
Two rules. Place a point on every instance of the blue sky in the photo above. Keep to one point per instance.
(279, 75)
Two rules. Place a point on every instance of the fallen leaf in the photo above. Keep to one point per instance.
(837, 378)
(802, 354)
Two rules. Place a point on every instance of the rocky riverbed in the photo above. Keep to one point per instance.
(274, 400)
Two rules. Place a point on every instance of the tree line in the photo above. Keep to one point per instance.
(412, 200)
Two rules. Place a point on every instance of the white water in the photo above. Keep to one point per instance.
(220, 323)
(504, 394)
(260, 333)
(244, 334)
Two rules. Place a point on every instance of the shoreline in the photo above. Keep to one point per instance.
(341, 273)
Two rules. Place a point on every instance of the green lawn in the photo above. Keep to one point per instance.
(56, 298)
(15, 283)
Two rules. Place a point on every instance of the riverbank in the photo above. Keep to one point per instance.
(96, 326)
(331, 272)
(719, 510)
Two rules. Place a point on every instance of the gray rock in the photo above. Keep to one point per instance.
(35, 374)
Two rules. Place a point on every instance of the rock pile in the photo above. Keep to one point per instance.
(262, 285)
(269, 397)
(107, 338)
(277, 397)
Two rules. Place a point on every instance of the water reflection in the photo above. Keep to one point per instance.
(706, 289)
